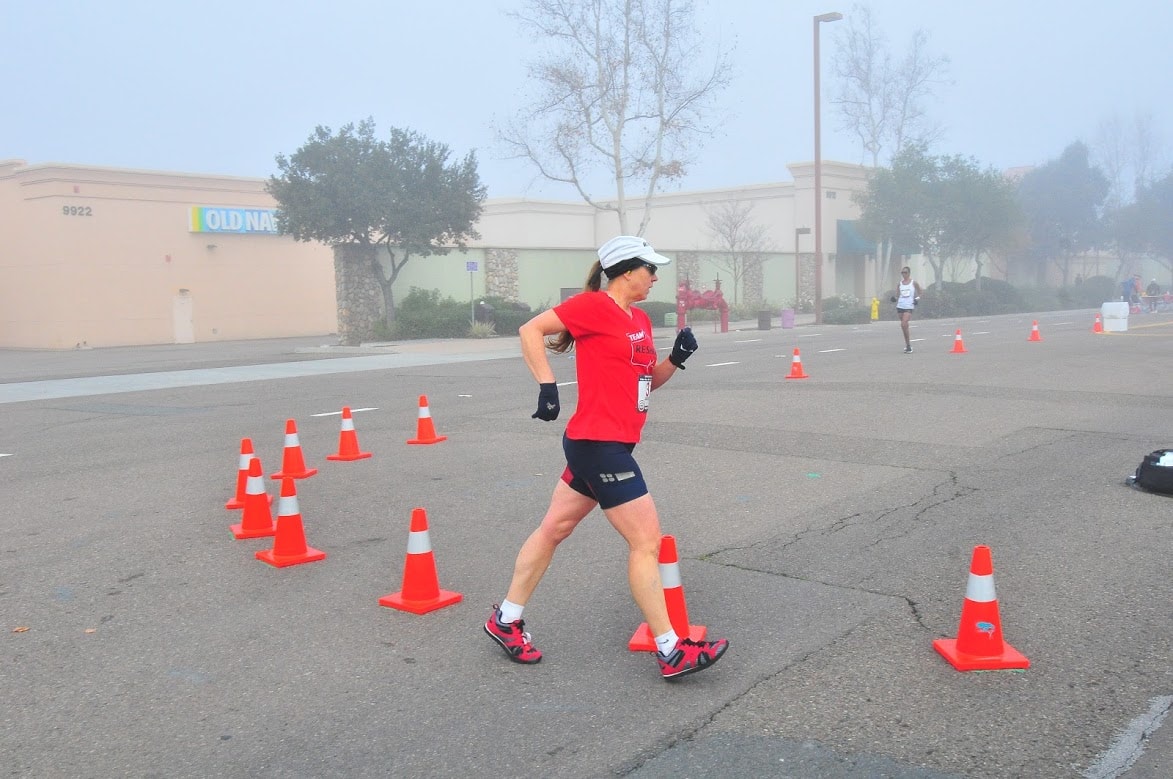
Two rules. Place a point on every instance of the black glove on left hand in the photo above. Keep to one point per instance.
(548, 406)
(683, 348)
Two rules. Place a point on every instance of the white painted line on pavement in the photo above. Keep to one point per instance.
(339, 412)
(2, 454)
(828, 351)
(1129, 743)
(720, 364)
(748, 341)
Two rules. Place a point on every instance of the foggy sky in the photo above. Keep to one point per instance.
(222, 87)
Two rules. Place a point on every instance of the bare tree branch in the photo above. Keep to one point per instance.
(619, 91)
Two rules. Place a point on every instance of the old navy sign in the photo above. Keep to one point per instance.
(212, 219)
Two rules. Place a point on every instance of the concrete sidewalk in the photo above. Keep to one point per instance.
(29, 365)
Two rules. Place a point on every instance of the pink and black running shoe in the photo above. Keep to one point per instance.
(512, 638)
(691, 656)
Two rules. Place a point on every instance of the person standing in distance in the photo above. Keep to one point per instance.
(617, 370)
(906, 297)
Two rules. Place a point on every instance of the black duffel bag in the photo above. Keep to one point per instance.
(1154, 476)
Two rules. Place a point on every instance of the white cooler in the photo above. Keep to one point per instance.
(1115, 316)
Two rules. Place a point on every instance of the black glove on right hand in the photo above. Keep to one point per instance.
(548, 406)
(893, 298)
(683, 348)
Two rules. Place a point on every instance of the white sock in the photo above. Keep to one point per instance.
(510, 612)
(666, 643)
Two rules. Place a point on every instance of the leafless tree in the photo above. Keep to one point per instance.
(739, 242)
(1111, 156)
(621, 88)
(882, 99)
(1129, 156)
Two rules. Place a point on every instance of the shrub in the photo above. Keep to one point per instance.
(846, 310)
(422, 314)
(481, 329)
(1093, 292)
(656, 310)
(508, 315)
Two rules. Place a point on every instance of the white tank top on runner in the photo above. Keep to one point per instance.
(905, 295)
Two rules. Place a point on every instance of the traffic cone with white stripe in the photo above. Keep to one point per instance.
(643, 640)
(293, 463)
(246, 456)
(1034, 331)
(796, 366)
(1098, 326)
(958, 344)
(425, 431)
(421, 591)
(257, 520)
(289, 546)
(348, 440)
(979, 645)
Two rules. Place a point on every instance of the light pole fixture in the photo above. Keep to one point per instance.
(798, 266)
(831, 17)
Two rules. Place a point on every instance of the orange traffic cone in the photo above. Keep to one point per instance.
(796, 367)
(643, 640)
(1034, 331)
(425, 431)
(979, 645)
(348, 440)
(958, 344)
(1098, 327)
(257, 520)
(289, 547)
(421, 591)
(246, 456)
(293, 464)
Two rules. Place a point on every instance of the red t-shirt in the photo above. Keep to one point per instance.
(614, 356)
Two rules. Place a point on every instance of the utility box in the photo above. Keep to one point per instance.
(764, 318)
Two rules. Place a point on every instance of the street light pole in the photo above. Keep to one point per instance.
(798, 267)
(831, 17)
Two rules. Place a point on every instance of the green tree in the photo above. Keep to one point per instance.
(621, 89)
(1061, 201)
(361, 195)
(983, 219)
(946, 207)
(1146, 225)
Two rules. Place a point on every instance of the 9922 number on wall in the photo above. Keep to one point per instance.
(77, 211)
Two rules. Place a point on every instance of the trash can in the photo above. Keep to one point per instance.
(1115, 316)
(764, 319)
(670, 319)
(787, 318)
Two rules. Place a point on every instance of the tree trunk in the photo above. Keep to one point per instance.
(357, 293)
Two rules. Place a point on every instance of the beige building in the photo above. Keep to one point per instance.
(107, 257)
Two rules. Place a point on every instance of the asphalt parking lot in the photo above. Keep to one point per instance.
(825, 526)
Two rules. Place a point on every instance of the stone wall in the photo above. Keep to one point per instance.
(751, 280)
(501, 274)
(357, 291)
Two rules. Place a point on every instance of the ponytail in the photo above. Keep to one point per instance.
(563, 342)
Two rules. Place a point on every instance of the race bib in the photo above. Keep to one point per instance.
(644, 394)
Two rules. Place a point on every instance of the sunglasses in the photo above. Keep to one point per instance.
(651, 268)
